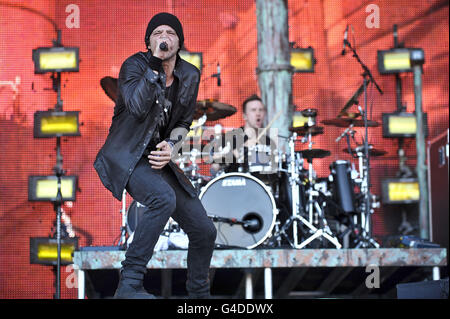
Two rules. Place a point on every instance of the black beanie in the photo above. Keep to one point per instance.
(164, 18)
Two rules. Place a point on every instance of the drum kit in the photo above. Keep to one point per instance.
(280, 203)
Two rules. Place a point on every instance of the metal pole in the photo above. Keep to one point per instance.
(248, 285)
(268, 283)
(421, 168)
(436, 273)
(58, 172)
(81, 284)
(366, 226)
(274, 69)
(58, 217)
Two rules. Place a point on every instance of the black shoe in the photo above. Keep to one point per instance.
(130, 288)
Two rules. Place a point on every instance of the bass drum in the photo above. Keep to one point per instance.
(171, 236)
(239, 197)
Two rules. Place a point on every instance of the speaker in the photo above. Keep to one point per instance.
(433, 289)
(438, 174)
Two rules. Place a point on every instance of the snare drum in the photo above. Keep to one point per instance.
(240, 197)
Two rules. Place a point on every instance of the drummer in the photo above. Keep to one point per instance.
(244, 138)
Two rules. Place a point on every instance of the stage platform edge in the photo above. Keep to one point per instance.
(98, 258)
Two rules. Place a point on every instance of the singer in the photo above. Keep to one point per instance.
(153, 112)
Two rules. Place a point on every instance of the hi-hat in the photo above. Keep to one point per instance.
(213, 109)
(314, 153)
(305, 130)
(109, 85)
(344, 122)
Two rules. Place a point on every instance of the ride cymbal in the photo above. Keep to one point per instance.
(372, 151)
(344, 122)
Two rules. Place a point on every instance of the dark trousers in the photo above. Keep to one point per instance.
(163, 196)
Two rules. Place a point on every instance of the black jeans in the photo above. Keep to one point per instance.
(160, 192)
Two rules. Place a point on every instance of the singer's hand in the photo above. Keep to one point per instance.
(159, 159)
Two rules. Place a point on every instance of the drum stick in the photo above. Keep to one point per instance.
(269, 125)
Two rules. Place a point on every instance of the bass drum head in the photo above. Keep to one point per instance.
(242, 197)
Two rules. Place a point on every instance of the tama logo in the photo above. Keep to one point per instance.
(233, 182)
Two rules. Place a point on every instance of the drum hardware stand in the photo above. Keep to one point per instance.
(368, 204)
(366, 208)
(123, 228)
(353, 224)
(312, 203)
(296, 207)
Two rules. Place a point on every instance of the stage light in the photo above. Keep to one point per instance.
(54, 124)
(195, 130)
(299, 120)
(400, 190)
(302, 60)
(56, 59)
(401, 124)
(399, 60)
(45, 188)
(44, 251)
(195, 58)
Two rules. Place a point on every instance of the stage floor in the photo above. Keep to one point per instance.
(270, 273)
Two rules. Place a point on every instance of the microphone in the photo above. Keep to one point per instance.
(345, 40)
(163, 46)
(230, 221)
(251, 225)
(344, 133)
(218, 74)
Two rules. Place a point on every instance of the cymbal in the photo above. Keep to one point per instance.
(350, 115)
(372, 151)
(344, 122)
(109, 85)
(314, 153)
(309, 112)
(304, 130)
(213, 109)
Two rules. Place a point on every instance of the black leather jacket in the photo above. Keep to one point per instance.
(135, 117)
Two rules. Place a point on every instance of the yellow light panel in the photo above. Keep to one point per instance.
(402, 125)
(301, 60)
(57, 60)
(49, 251)
(396, 61)
(195, 132)
(59, 125)
(403, 191)
(299, 120)
(193, 58)
(48, 188)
